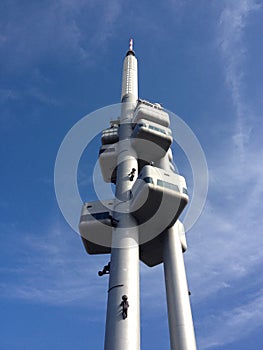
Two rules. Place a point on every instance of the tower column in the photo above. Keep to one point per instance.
(123, 333)
(123, 309)
(182, 336)
(124, 268)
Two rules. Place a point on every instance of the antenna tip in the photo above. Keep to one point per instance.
(131, 44)
(130, 51)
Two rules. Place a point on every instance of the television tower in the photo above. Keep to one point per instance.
(142, 221)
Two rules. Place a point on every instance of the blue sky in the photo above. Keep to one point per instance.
(61, 60)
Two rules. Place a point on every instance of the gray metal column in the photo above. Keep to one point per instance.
(124, 334)
(181, 328)
(182, 336)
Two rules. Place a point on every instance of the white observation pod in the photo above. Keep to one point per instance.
(158, 193)
(152, 112)
(95, 226)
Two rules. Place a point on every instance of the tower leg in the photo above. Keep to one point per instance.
(123, 333)
(182, 336)
(123, 309)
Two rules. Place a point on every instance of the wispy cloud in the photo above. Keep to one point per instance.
(225, 256)
(53, 269)
(234, 324)
(63, 31)
(51, 34)
(228, 236)
(107, 21)
(232, 25)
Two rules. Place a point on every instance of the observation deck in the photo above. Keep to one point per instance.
(158, 198)
(152, 112)
(150, 140)
(96, 226)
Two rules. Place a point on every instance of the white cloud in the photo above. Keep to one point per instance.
(234, 324)
(228, 239)
(61, 30)
(231, 27)
(54, 269)
(225, 259)
(106, 29)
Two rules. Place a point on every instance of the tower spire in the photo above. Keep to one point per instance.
(130, 76)
(131, 44)
(130, 51)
